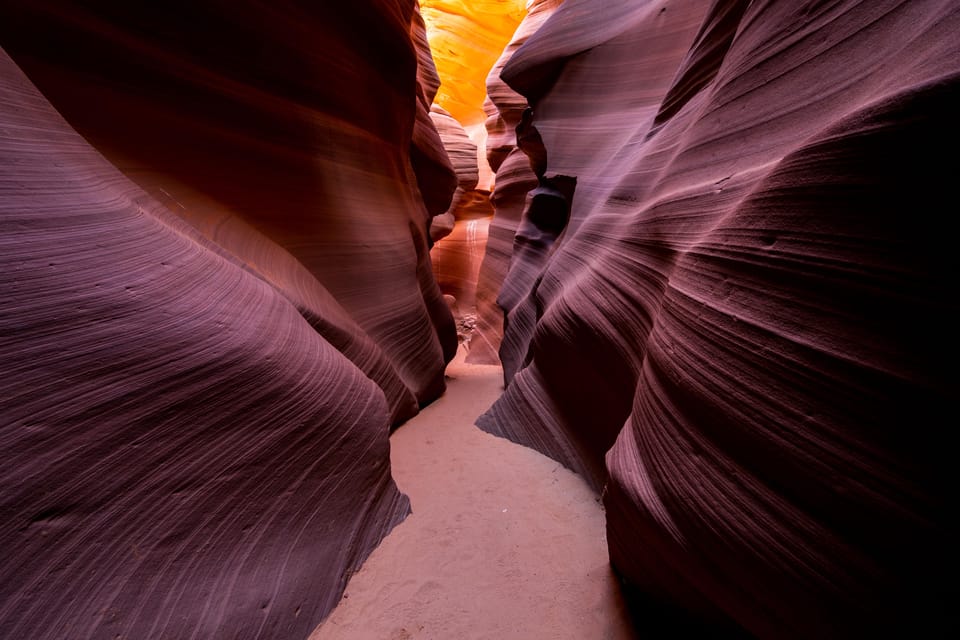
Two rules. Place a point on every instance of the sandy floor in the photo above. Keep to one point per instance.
(502, 543)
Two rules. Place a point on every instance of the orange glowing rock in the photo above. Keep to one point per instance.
(467, 37)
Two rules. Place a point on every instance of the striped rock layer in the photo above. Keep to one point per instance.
(729, 300)
(515, 178)
(215, 299)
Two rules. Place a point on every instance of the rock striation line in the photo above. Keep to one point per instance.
(743, 332)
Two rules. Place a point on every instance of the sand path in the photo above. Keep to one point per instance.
(503, 542)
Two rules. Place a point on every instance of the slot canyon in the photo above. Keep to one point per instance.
(477, 318)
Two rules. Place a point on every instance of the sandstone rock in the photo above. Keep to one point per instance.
(434, 175)
(204, 351)
(184, 454)
(741, 331)
(461, 233)
(324, 154)
(504, 108)
(467, 38)
(462, 153)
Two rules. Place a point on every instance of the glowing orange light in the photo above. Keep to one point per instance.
(466, 38)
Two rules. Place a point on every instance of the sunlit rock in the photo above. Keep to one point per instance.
(462, 153)
(467, 37)
(461, 234)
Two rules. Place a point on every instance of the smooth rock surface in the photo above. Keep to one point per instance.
(462, 152)
(515, 178)
(461, 233)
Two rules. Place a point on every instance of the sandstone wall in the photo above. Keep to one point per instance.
(216, 300)
(730, 307)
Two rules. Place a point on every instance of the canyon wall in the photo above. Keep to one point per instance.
(515, 178)
(242, 125)
(718, 246)
(216, 300)
(729, 300)
(467, 37)
(461, 232)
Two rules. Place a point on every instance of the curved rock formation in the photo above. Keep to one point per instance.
(434, 173)
(251, 136)
(463, 156)
(739, 320)
(504, 108)
(467, 38)
(183, 453)
(461, 233)
(203, 352)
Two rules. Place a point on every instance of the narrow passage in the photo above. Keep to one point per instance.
(503, 542)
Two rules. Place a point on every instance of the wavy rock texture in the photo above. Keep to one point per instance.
(462, 153)
(515, 178)
(203, 352)
(467, 37)
(461, 233)
(184, 455)
(433, 173)
(741, 319)
(253, 139)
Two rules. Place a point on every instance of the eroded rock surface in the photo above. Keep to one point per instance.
(183, 453)
(461, 233)
(204, 350)
(462, 152)
(732, 310)
(515, 178)
(275, 149)
(467, 37)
